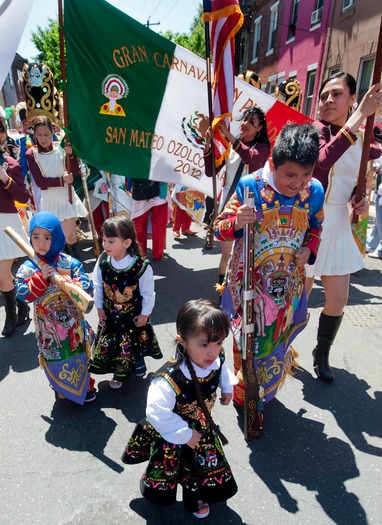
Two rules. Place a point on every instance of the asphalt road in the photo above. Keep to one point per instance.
(318, 462)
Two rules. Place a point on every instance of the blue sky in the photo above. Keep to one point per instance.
(174, 15)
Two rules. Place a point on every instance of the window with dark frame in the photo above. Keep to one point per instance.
(293, 19)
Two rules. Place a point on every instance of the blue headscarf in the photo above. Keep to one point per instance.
(48, 221)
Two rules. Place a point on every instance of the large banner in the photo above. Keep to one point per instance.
(137, 103)
(13, 18)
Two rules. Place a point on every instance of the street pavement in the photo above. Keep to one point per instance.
(318, 461)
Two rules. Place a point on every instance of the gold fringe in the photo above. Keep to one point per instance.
(270, 218)
(220, 288)
(300, 219)
(239, 375)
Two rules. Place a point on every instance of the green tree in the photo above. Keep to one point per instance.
(47, 42)
(195, 40)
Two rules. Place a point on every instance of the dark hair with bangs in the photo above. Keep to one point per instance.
(297, 143)
(201, 315)
(123, 228)
(42, 121)
(254, 111)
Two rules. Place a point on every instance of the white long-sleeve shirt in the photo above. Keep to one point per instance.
(161, 400)
(146, 284)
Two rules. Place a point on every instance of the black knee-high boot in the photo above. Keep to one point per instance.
(327, 330)
(74, 250)
(10, 310)
(22, 312)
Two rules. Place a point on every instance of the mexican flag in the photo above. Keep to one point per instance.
(137, 103)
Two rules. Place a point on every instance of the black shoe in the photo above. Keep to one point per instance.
(90, 396)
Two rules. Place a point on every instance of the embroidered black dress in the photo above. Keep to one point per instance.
(203, 472)
(119, 344)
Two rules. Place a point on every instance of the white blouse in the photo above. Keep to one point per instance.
(146, 284)
(161, 400)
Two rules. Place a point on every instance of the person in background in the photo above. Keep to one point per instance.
(374, 240)
(7, 144)
(46, 162)
(248, 153)
(337, 168)
(151, 206)
(181, 222)
(12, 188)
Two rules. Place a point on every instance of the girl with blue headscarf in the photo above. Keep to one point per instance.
(61, 332)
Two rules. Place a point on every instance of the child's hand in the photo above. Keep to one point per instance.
(140, 320)
(101, 315)
(359, 207)
(195, 438)
(245, 215)
(302, 256)
(225, 398)
(47, 271)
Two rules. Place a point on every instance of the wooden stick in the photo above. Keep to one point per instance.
(109, 195)
(84, 172)
(252, 427)
(209, 242)
(368, 129)
(83, 301)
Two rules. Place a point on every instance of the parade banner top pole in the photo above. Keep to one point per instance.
(63, 76)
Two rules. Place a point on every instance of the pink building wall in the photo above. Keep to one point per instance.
(306, 50)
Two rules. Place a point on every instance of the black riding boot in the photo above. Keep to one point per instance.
(10, 310)
(22, 312)
(327, 330)
(74, 251)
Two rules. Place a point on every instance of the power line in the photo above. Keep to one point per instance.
(140, 14)
(159, 3)
(172, 9)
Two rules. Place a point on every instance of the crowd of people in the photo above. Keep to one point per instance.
(302, 190)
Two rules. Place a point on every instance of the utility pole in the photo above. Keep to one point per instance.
(148, 23)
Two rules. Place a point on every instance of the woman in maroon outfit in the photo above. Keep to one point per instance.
(12, 188)
(337, 168)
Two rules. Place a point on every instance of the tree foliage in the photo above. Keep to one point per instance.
(195, 40)
(47, 42)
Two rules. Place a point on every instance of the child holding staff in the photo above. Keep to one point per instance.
(287, 221)
(61, 332)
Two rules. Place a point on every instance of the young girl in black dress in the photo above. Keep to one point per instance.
(185, 442)
(124, 296)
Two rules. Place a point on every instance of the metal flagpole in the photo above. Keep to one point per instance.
(63, 75)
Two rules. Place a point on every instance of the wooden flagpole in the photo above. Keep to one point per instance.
(368, 128)
(209, 242)
(63, 76)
